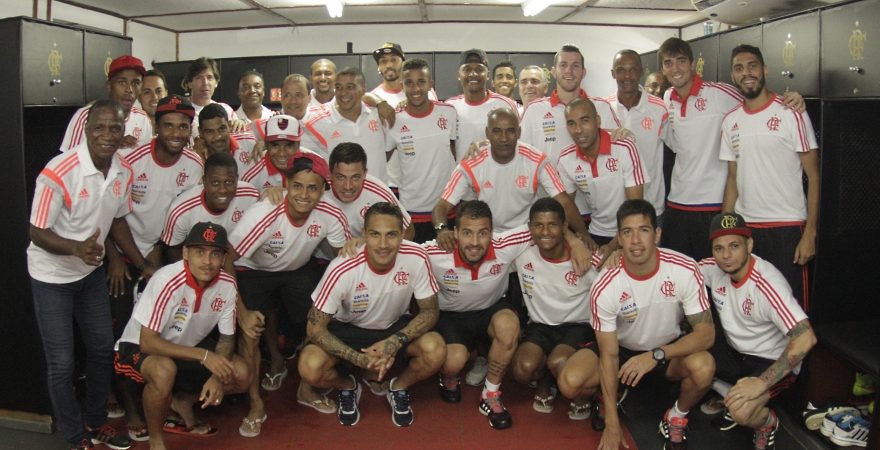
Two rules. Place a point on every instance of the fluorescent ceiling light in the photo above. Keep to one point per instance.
(533, 7)
(334, 8)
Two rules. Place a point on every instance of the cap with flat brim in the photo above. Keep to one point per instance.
(388, 48)
(473, 55)
(282, 127)
(728, 223)
(175, 104)
(208, 234)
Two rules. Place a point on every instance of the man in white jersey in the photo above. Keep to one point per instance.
(349, 119)
(272, 249)
(220, 199)
(507, 176)
(533, 85)
(504, 78)
(124, 79)
(768, 150)
(359, 317)
(606, 173)
(165, 345)
(218, 138)
(323, 78)
(251, 92)
(696, 109)
(637, 309)
(77, 197)
(153, 89)
(559, 317)
(282, 135)
(476, 102)
(389, 61)
(766, 331)
(646, 117)
(354, 190)
(423, 135)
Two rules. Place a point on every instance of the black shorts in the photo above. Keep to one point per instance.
(624, 354)
(574, 335)
(731, 365)
(688, 232)
(468, 328)
(359, 338)
(191, 375)
(777, 245)
(262, 291)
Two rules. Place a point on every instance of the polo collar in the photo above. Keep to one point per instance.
(459, 262)
(194, 285)
(554, 97)
(695, 89)
(604, 147)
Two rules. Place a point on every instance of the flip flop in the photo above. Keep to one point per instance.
(138, 433)
(178, 426)
(252, 427)
(324, 405)
(545, 404)
(273, 382)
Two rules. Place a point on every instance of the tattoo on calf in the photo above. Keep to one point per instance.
(496, 368)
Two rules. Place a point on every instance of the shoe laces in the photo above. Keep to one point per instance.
(347, 399)
(677, 429)
(493, 401)
(401, 400)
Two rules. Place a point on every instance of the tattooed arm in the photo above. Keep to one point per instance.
(701, 338)
(429, 312)
(318, 334)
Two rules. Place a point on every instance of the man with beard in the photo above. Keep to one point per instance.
(767, 334)
(390, 59)
(504, 78)
(154, 89)
(532, 86)
(323, 78)
(768, 149)
(656, 84)
(251, 91)
(218, 138)
(124, 80)
(477, 101)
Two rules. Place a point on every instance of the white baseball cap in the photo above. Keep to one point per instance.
(282, 127)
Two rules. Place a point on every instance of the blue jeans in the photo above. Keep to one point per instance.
(56, 306)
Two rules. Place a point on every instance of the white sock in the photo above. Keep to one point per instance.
(675, 412)
(721, 387)
(490, 387)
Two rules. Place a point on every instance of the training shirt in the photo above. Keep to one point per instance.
(137, 124)
(230, 115)
(553, 292)
(241, 147)
(190, 208)
(263, 174)
(474, 117)
(265, 113)
(329, 129)
(373, 191)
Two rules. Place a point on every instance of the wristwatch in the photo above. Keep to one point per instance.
(402, 338)
(659, 355)
(440, 227)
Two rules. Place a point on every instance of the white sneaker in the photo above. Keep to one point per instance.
(852, 432)
(478, 372)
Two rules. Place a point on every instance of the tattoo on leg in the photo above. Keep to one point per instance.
(496, 368)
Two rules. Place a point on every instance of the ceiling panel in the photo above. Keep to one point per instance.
(130, 8)
(511, 13)
(237, 19)
(646, 4)
(626, 17)
(350, 14)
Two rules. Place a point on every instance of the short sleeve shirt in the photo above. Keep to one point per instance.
(473, 118)
(553, 292)
(190, 208)
(137, 124)
(374, 191)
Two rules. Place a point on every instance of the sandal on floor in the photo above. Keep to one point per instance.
(252, 427)
(138, 433)
(324, 405)
(178, 426)
(580, 411)
(545, 404)
(273, 382)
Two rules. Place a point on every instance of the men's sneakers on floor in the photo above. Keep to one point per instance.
(814, 416)
(765, 437)
(833, 420)
(347, 409)
(478, 372)
(450, 388)
(492, 408)
(674, 432)
(852, 432)
(724, 422)
(401, 412)
(715, 405)
(84, 444)
(107, 435)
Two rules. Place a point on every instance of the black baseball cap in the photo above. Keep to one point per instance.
(208, 234)
(728, 223)
(175, 103)
(387, 49)
(468, 56)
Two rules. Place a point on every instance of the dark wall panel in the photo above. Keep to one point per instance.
(99, 51)
(789, 47)
(728, 41)
(850, 66)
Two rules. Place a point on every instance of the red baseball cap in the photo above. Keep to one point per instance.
(282, 127)
(125, 62)
(319, 165)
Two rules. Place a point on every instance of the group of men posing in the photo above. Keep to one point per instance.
(430, 207)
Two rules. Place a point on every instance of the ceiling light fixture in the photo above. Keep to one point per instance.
(534, 7)
(334, 8)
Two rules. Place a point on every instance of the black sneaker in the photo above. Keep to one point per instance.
(84, 444)
(724, 422)
(674, 432)
(450, 389)
(492, 408)
(401, 413)
(347, 410)
(107, 435)
(597, 417)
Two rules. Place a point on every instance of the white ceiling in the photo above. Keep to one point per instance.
(200, 15)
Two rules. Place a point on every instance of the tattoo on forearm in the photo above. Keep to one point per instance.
(225, 345)
(799, 329)
(789, 359)
(429, 312)
(332, 345)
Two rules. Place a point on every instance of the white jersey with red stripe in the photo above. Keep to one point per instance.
(647, 121)
(182, 312)
(330, 129)
(190, 208)
(266, 238)
(353, 292)
(137, 124)
(466, 287)
(230, 115)
(766, 145)
(473, 118)
(553, 292)
(694, 135)
(265, 113)
(241, 147)
(313, 100)
(509, 189)
(395, 97)
(756, 313)
(307, 141)
(154, 189)
(263, 174)
(373, 191)
(426, 162)
(602, 181)
(645, 311)
(74, 199)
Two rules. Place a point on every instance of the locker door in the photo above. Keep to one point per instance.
(543, 60)
(706, 56)
(52, 64)
(100, 50)
(850, 63)
(791, 52)
(728, 41)
(174, 73)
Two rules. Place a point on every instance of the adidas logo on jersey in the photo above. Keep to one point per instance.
(578, 169)
(549, 115)
(277, 235)
(84, 193)
(488, 184)
(361, 286)
(143, 177)
(735, 127)
(529, 267)
(624, 297)
(405, 129)
(184, 302)
(722, 290)
(335, 134)
(450, 272)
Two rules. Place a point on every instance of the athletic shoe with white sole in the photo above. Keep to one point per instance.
(814, 416)
(765, 437)
(477, 373)
(401, 412)
(347, 409)
(834, 420)
(852, 432)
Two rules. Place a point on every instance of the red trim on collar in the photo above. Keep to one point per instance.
(770, 101)
(741, 282)
(554, 97)
(421, 116)
(557, 261)
(375, 270)
(192, 283)
(644, 277)
(156, 158)
(695, 89)
(604, 149)
(270, 166)
(204, 200)
(233, 144)
(475, 269)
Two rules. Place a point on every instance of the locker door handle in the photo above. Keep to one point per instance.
(788, 74)
(54, 82)
(856, 69)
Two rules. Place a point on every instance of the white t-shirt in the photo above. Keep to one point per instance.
(189, 209)
(647, 120)
(266, 238)
(74, 199)
(265, 113)
(474, 117)
(374, 191)
(241, 147)
(766, 145)
(353, 292)
(698, 175)
(426, 162)
(553, 292)
(602, 181)
(137, 124)
(230, 115)
(182, 312)
(646, 311)
(263, 174)
(154, 189)
(757, 312)
(509, 189)
(464, 287)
